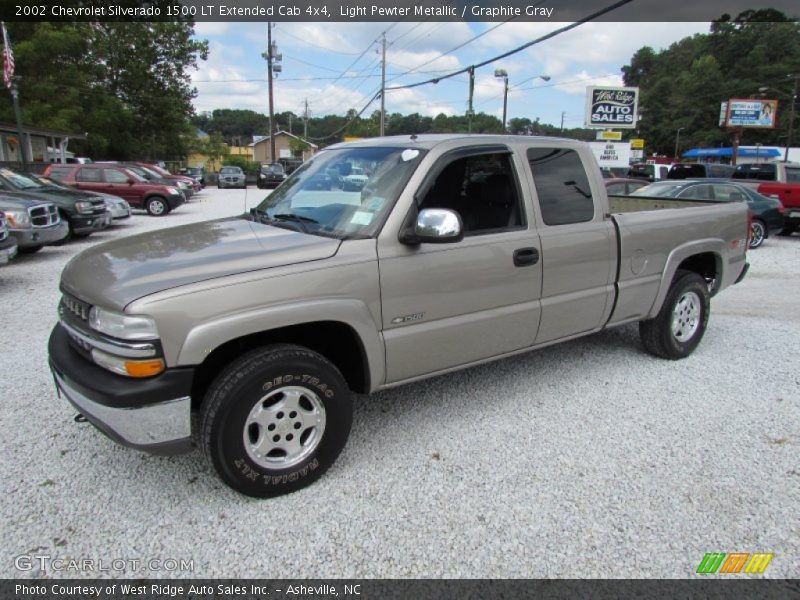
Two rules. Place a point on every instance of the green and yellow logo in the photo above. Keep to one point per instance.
(734, 562)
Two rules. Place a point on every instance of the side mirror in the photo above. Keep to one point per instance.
(434, 226)
(130, 181)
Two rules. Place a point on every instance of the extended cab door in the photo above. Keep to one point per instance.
(578, 243)
(451, 304)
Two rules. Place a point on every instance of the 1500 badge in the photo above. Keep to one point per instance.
(407, 318)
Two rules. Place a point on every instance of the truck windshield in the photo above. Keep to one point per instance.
(322, 198)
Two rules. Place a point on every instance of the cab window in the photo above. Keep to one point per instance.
(561, 185)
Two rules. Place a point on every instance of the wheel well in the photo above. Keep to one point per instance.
(336, 341)
(707, 265)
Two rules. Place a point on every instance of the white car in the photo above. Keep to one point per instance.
(116, 206)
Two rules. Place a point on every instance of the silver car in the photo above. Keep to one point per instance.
(231, 177)
(116, 206)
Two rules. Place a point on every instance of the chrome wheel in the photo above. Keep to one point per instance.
(686, 316)
(756, 234)
(284, 427)
(156, 207)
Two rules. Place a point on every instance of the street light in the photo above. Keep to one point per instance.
(677, 142)
(503, 74)
(793, 96)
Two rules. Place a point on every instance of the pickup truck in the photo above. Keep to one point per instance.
(249, 335)
(779, 180)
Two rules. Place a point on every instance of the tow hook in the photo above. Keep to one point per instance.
(79, 418)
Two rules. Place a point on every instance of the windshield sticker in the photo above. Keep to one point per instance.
(374, 203)
(361, 217)
(409, 155)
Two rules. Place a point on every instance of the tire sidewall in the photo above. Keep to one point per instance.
(687, 283)
(226, 435)
(763, 227)
(153, 200)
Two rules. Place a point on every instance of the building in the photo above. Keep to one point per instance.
(283, 147)
(42, 145)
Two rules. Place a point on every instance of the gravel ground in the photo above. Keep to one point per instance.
(587, 459)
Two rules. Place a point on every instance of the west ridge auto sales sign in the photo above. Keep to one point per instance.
(612, 107)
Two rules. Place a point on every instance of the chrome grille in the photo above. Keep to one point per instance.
(3, 228)
(44, 216)
(77, 308)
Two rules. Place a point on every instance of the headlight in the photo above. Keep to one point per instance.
(84, 207)
(119, 325)
(174, 191)
(18, 219)
(127, 366)
(183, 184)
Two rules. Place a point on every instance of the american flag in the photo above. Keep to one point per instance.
(8, 59)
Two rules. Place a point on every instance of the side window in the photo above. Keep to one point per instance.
(88, 175)
(58, 173)
(766, 172)
(482, 189)
(728, 193)
(562, 186)
(697, 192)
(792, 175)
(615, 189)
(114, 176)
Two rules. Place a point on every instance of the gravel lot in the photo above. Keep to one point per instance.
(587, 459)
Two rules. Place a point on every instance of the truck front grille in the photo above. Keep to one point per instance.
(77, 308)
(44, 216)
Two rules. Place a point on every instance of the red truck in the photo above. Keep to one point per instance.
(157, 199)
(779, 180)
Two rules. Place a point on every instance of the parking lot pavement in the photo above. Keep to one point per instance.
(586, 459)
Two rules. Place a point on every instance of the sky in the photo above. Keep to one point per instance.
(336, 66)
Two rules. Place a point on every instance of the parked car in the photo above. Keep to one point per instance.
(32, 223)
(767, 213)
(231, 176)
(152, 176)
(271, 176)
(355, 180)
(249, 335)
(779, 180)
(8, 244)
(196, 173)
(620, 186)
(84, 213)
(290, 165)
(157, 199)
(159, 169)
(116, 206)
(699, 170)
(649, 171)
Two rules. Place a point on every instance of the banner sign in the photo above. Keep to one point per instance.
(610, 136)
(751, 113)
(637, 143)
(612, 107)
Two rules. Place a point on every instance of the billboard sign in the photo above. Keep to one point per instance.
(612, 107)
(612, 154)
(749, 112)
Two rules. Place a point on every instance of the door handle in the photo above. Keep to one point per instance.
(524, 257)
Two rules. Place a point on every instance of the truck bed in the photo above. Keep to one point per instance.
(626, 204)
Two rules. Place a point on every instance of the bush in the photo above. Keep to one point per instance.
(248, 166)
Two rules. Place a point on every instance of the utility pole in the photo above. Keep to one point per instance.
(791, 121)
(305, 119)
(271, 104)
(563, 114)
(383, 84)
(470, 112)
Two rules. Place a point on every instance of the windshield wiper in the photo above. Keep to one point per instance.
(283, 220)
(296, 219)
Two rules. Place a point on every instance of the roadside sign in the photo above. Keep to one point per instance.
(723, 112)
(608, 107)
(609, 136)
(637, 144)
(751, 112)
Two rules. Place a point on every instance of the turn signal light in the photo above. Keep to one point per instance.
(144, 368)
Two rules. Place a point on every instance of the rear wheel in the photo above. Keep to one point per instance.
(758, 233)
(275, 419)
(680, 324)
(156, 206)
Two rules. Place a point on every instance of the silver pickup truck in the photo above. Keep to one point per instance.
(249, 335)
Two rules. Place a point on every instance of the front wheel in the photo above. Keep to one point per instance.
(156, 206)
(680, 324)
(275, 419)
(758, 233)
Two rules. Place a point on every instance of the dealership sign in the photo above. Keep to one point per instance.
(751, 113)
(612, 107)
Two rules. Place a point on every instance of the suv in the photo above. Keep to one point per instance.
(157, 199)
(271, 176)
(196, 173)
(699, 170)
(8, 245)
(231, 176)
(84, 213)
(32, 223)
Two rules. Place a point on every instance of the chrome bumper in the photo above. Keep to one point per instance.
(162, 428)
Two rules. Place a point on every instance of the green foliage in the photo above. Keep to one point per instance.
(248, 166)
(124, 84)
(683, 86)
(298, 146)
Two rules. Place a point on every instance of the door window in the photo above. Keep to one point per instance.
(792, 175)
(114, 176)
(88, 175)
(697, 192)
(561, 185)
(482, 189)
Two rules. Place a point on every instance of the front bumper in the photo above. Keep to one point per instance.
(90, 223)
(119, 212)
(175, 201)
(8, 250)
(40, 236)
(151, 414)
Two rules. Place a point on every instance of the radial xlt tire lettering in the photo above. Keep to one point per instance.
(680, 324)
(275, 419)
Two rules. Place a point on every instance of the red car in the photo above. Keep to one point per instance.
(190, 181)
(157, 199)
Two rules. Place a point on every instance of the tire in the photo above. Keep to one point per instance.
(687, 305)
(156, 206)
(281, 389)
(758, 233)
(30, 249)
(788, 229)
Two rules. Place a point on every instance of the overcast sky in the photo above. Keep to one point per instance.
(316, 54)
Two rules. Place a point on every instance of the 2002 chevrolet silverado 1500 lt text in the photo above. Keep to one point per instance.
(248, 335)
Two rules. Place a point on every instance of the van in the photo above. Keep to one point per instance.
(699, 170)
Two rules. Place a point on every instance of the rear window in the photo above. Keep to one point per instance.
(561, 185)
(687, 171)
(59, 173)
(765, 172)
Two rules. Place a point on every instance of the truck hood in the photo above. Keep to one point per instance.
(116, 273)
